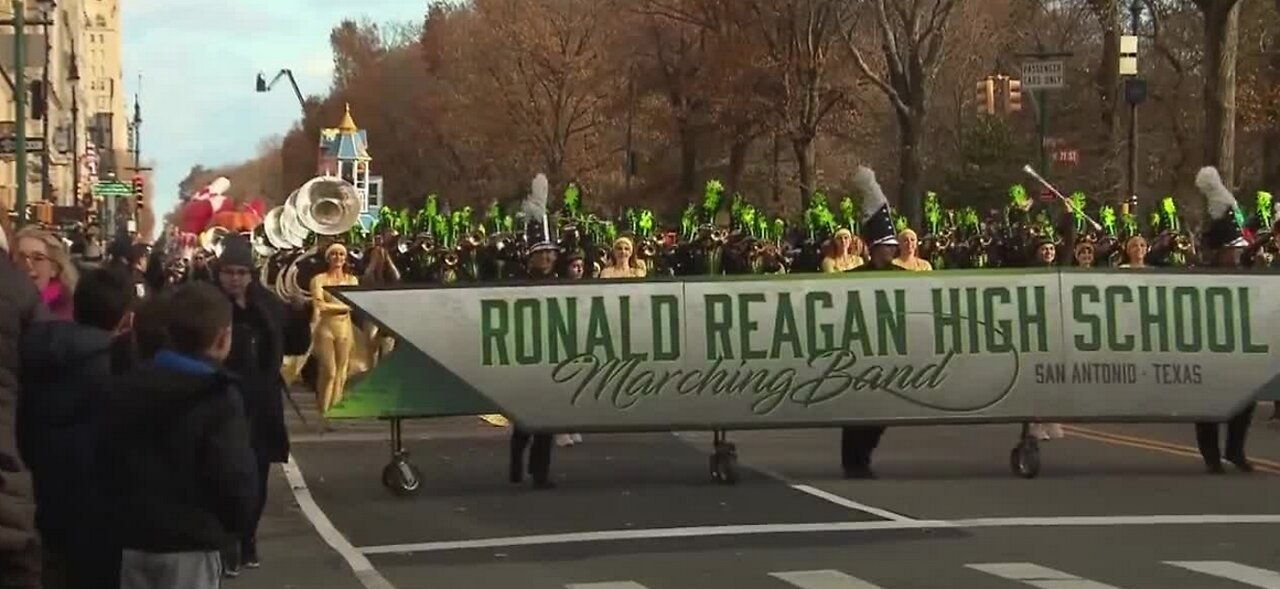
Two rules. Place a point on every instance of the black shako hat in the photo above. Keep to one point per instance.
(236, 251)
(1226, 221)
(537, 227)
(877, 223)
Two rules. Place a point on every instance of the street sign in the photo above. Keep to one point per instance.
(1042, 75)
(1067, 156)
(1047, 196)
(112, 188)
(9, 144)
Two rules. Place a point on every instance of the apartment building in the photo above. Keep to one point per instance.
(59, 110)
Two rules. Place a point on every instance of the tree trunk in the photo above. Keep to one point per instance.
(806, 166)
(688, 157)
(910, 166)
(775, 172)
(1271, 137)
(737, 164)
(1221, 43)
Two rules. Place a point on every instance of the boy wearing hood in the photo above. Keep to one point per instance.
(183, 478)
(66, 367)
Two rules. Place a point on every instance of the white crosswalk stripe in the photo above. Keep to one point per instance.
(1026, 573)
(1038, 576)
(825, 579)
(1252, 576)
(609, 585)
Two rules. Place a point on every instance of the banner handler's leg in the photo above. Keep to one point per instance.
(724, 459)
(1024, 459)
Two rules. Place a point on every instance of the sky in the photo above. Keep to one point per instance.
(198, 61)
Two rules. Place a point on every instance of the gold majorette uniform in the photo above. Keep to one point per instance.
(333, 337)
(841, 264)
(914, 264)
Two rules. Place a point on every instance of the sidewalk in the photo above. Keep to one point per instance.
(293, 555)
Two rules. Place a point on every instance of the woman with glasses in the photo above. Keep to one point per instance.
(48, 264)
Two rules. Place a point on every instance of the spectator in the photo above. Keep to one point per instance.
(183, 482)
(19, 545)
(49, 266)
(66, 367)
(257, 354)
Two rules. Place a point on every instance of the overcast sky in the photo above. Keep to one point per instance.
(198, 60)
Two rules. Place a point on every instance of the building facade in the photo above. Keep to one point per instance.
(57, 109)
(102, 81)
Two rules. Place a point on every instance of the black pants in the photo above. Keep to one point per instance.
(539, 455)
(1237, 430)
(857, 443)
(248, 544)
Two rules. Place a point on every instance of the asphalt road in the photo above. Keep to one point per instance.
(1126, 507)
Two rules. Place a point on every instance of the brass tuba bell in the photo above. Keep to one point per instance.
(210, 240)
(327, 205)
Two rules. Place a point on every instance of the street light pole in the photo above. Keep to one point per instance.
(20, 108)
(46, 185)
(1131, 85)
(73, 76)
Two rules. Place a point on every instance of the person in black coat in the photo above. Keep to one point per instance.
(857, 443)
(19, 546)
(257, 354)
(178, 467)
(66, 368)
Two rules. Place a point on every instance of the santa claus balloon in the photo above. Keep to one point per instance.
(211, 207)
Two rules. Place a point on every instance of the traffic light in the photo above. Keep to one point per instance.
(987, 96)
(1013, 100)
(39, 100)
(138, 188)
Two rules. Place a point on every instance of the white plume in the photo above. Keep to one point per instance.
(864, 181)
(1220, 201)
(219, 186)
(535, 205)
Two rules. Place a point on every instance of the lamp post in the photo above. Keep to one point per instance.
(73, 76)
(46, 185)
(1135, 93)
(19, 24)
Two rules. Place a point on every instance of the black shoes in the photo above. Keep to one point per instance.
(1241, 463)
(249, 556)
(859, 472)
(1214, 468)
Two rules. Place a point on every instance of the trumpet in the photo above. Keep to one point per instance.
(648, 249)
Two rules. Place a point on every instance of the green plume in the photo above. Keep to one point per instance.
(645, 224)
(1018, 197)
(1169, 214)
(689, 221)
(1108, 215)
(932, 212)
(779, 229)
(712, 197)
(572, 200)
(1266, 214)
(900, 222)
(1078, 202)
(849, 214)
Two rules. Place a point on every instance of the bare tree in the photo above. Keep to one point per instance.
(913, 37)
(1221, 45)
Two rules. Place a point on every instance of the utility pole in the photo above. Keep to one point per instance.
(73, 76)
(20, 108)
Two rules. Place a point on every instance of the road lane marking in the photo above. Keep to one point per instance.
(1252, 576)
(1259, 464)
(825, 579)
(851, 504)
(810, 490)
(811, 528)
(359, 563)
(609, 585)
(1038, 576)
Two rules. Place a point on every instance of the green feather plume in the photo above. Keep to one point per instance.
(1108, 215)
(712, 198)
(572, 200)
(1266, 214)
(932, 213)
(1018, 197)
(849, 214)
(1169, 214)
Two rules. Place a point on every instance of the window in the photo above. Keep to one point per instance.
(101, 21)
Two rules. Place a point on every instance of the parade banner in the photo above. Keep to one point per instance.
(822, 350)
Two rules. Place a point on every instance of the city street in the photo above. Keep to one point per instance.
(1124, 507)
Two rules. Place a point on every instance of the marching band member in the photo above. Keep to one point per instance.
(541, 267)
(333, 332)
(908, 247)
(1135, 251)
(843, 257)
(857, 443)
(624, 264)
(1224, 242)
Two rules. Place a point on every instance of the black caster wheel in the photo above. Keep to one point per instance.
(1024, 460)
(401, 478)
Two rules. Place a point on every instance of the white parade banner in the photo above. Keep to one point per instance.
(988, 346)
